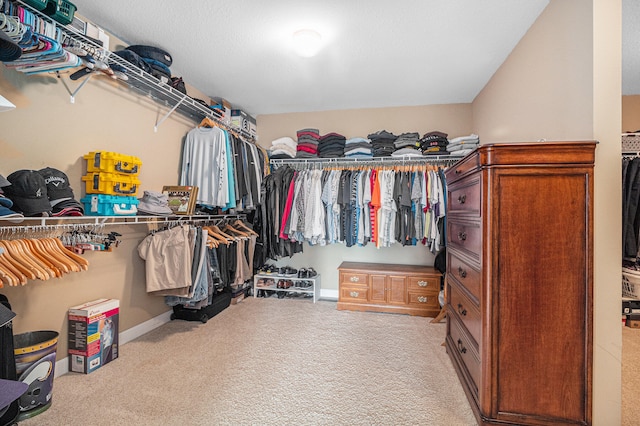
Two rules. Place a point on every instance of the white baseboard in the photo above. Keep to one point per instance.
(328, 294)
(62, 366)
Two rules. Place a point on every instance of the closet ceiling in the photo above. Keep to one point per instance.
(376, 53)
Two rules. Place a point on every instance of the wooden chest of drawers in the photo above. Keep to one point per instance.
(520, 281)
(403, 289)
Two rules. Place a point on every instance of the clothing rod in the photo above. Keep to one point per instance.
(78, 221)
(399, 161)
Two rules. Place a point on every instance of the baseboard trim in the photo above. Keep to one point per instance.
(62, 366)
(328, 294)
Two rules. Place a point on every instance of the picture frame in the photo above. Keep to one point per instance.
(182, 199)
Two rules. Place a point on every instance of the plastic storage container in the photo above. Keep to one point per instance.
(112, 162)
(111, 184)
(60, 10)
(37, 4)
(109, 205)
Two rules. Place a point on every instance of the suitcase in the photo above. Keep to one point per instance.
(219, 303)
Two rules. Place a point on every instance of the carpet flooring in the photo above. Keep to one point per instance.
(272, 362)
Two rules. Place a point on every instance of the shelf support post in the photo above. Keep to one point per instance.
(158, 123)
(75, 92)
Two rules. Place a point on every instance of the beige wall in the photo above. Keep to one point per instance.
(562, 81)
(47, 130)
(454, 120)
(630, 113)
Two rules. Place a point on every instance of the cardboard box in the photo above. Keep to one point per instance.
(633, 321)
(244, 122)
(93, 335)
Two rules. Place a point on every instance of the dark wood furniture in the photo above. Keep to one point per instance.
(520, 281)
(379, 287)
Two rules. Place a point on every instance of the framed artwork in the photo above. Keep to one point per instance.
(182, 199)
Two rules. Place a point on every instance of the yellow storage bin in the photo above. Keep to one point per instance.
(111, 184)
(112, 162)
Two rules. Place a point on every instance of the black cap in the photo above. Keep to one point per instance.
(57, 182)
(9, 49)
(28, 191)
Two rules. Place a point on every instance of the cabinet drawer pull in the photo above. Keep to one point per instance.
(422, 299)
(461, 347)
(354, 279)
(354, 294)
(458, 171)
(461, 310)
(462, 236)
(462, 198)
(462, 272)
(423, 283)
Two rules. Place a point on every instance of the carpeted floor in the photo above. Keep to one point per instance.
(630, 376)
(272, 362)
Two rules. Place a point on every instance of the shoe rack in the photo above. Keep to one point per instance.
(287, 284)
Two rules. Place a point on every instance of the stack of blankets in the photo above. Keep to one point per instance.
(358, 148)
(283, 148)
(331, 145)
(308, 140)
(463, 145)
(407, 145)
(382, 142)
(434, 143)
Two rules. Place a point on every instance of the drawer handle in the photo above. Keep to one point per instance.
(354, 279)
(462, 272)
(462, 198)
(354, 294)
(461, 310)
(461, 347)
(423, 283)
(458, 171)
(462, 236)
(422, 299)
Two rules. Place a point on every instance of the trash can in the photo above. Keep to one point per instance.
(35, 354)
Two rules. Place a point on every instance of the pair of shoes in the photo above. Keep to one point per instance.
(288, 271)
(307, 273)
(284, 284)
(268, 269)
(304, 284)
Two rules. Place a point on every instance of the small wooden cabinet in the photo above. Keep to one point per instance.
(402, 289)
(520, 281)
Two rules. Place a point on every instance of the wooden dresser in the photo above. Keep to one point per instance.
(379, 287)
(520, 281)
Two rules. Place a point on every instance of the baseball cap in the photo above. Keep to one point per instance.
(9, 49)
(4, 181)
(155, 203)
(57, 182)
(28, 191)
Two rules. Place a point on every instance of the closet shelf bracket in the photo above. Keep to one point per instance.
(75, 92)
(159, 122)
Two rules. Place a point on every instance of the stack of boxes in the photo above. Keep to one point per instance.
(111, 184)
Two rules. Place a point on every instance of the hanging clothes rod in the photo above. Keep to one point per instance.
(375, 161)
(79, 221)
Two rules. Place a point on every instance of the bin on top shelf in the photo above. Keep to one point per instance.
(112, 162)
(111, 184)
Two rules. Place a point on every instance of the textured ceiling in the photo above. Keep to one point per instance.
(376, 53)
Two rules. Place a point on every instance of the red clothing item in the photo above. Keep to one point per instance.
(287, 209)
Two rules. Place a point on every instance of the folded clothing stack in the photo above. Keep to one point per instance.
(463, 145)
(434, 143)
(358, 148)
(283, 148)
(331, 145)
(383, 143)
(308, 140)
(150, 59)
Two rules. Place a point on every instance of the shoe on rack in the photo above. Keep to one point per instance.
(288, 271)
(311, 273)
(302, 273)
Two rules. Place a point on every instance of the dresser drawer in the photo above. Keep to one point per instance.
(427, 284)
(465, 275)
(353, 278)
(467, 165)
(465, 236)
(465, 351)
(420, 299)
(353, 294)
(463, 197)
(466, 311)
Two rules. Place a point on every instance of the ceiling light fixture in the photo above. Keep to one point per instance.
(306, 43)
